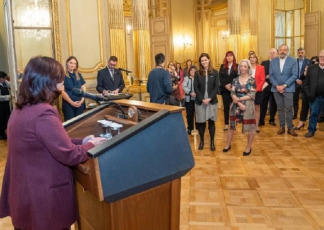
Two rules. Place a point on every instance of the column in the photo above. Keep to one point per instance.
(117, 31)
(141, 38)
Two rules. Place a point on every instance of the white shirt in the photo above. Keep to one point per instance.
(282, 62)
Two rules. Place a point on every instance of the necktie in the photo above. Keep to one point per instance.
(112, 74)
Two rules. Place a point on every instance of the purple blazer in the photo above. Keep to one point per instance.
(38, 189)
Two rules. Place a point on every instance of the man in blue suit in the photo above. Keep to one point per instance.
(110, 78)
(302, 62)
(283, 74)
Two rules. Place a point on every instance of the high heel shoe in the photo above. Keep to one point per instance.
(225, 127)
(300, 127)
(201, 145)
(226, 150)
(247, 153)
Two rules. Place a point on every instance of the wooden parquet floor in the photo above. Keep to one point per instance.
(279, 186)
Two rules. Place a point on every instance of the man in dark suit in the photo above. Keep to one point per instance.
(314, 89)
(267, 95)
(110, 78)
(283, 74)
(302, 62)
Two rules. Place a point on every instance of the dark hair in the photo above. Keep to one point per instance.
(192, 67)
(113, 58)
(225, 62)
(3, 74)
(188, 61)
(159, 58)
(76, 68)
(201, 68)
(39, 84)
(300, 49)
(313, 59)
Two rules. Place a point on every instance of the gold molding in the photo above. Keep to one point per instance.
(57, 35)
(101, 63)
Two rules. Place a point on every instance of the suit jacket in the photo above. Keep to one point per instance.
(106, 82)
(212, 87)
(38, 187)
(266, 65)
(310, 82)
(288, 75)
(301, 71)
(225, 78)
(259, 77)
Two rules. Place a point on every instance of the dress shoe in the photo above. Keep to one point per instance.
(201, 145)
(189, 131)
(247, 153)
(299, 127)
(212, 145)
(226, 150)
(281, 131)
(292, 132)
(272, 123)
(309, 134)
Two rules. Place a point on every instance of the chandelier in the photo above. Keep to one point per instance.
(34, 19)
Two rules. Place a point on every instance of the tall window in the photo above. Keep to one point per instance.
(290, 24)
(32, 25)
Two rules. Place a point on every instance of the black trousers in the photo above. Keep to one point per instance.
(190, 110)
(296, 99)
(268, 99)
(227, 100)
(4, 116)
(305, 107)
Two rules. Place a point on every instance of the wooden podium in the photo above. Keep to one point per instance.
(132, 181)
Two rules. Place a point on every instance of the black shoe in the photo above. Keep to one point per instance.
(3, 137)
(247, 153)
(309, 134)
(212, 146)
(261, 123)
(189, 131)
(258, 130)
(226, 150)
(272, 123)
(201, 145)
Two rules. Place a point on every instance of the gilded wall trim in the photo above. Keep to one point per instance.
(99, 64)
(57, 35)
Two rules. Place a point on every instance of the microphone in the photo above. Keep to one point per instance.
(125, 70)
(95, 97)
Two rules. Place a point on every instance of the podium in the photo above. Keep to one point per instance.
(132, 181)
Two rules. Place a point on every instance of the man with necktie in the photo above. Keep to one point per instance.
(110, 78)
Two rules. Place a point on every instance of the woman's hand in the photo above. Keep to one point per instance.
(235, 99)
(242, 107)
(228, 87)
(206, 101)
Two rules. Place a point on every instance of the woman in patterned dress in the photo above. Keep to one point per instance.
(242, 108)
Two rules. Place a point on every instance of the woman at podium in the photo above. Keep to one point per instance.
(38, 190)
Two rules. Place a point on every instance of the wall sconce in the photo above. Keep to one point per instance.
(225, 34)
(128, 29)
(183, 41)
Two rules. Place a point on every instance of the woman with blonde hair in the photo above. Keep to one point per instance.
(242, 108)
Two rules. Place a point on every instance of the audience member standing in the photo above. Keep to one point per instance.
(314, 90)
(110, 78)
(267, 96)
(72, 105)
(283, 74)
(227, 72)
(302, 62)
(242, 108)
(190, 95)
(206, 88)
(186, 69)
(259, 78)
(159, 83)
(4, 104)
